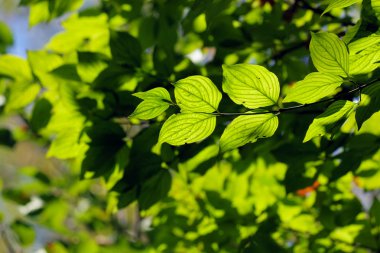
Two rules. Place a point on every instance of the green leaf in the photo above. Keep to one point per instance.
(90, 65)
(369, 103)
(339, 4)
(366, 61)
(6, 37)
(327, 120)
(329, 54)
(156, 93)
(125, 49)
(197, 94)
(25, 232)
(21, 94)
(66, 125)
(23, 90)
(363, 43)
(155, 102)
(66, 144)
(39, 12)
(251, 85)
(15, 68)
(43, 11)
(107, 150)
(376, 7)
(163, 61)
(159, 184)
(82, 33)
(314, 87)
(149, 109)
(375, 213)
(59, 7)
(364, 55)
(115, 77)
(41, 114)
(185, 128)
(352, 32)
(42, 63)
(248, 128)
(147, 33)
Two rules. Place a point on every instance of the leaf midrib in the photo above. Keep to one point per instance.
(197, 97)
(333, 57)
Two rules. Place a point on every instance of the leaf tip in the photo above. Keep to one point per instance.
(226, 67)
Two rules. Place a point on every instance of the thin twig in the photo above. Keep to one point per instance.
(297, 107)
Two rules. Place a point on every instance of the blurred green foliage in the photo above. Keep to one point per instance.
(6, 38)
(114, 189)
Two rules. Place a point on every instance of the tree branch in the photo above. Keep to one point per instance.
(293, 109)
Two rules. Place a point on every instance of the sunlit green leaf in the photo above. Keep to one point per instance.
(185, 128)
(366, 61)
(248, 128)
(21, 94)
(149, 109)
(376, 7)
(363, 43)
(15, 68)
(329, 54)
(43, 62)
(43, 11)
(25, 232)
(304, 223)
(369, 103)
(23, 90)
(156, 93)
(90, 65)
(87, 33)
(197, 94)
(364, 55)
(156, 101)
(275, 195)
(39, 12)
(327, 120)
(314, 87)
(59, 7)
(67, 124)
(339, 4)
(200, 24)
(250, 85)
(66, 144)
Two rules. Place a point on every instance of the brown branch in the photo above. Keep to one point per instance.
(293, 109)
